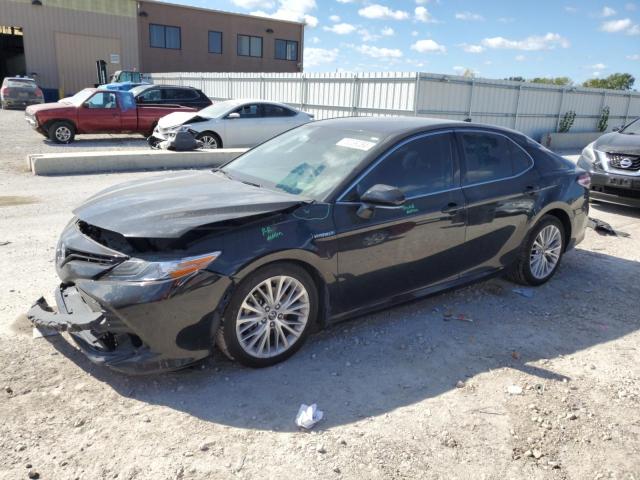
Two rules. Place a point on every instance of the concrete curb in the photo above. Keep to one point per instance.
(127, 161)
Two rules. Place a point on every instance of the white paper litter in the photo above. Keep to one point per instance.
(308, 416)
(514, 390)
(356, 144)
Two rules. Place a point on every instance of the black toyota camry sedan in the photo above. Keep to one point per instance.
(326, 221)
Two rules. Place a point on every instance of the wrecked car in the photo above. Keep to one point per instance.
(326, 221)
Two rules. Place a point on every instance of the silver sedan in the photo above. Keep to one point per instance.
(233, 123)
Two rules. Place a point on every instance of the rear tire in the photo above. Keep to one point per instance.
(540, 254)
(270, 315)
(62, 132)
(210, 140)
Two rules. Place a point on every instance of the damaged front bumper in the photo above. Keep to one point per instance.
(135, 328)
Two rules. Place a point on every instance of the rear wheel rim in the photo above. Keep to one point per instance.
(273, 316)
(545, 252)
(63, 133)
(209, 141)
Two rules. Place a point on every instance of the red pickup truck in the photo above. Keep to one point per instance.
(96, 111)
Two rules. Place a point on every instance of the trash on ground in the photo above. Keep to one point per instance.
(2, 244)
(524, 292)
(603, 228)
(308, 416)
(514, 390)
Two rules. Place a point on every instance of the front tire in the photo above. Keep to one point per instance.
(62, 132)
(541, 253)
(209, 140)
(269, 316)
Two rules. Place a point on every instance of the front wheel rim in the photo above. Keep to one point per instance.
(209, 142)
(545, 252)
(63, 134)
(273, 316)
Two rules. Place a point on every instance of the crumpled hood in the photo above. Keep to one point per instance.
(175, 119)
(170, 205)
(618, 143)
(33, 109)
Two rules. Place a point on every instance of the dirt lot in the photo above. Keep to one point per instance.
(405, 393)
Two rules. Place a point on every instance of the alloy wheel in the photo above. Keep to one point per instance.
(545, 252)
(273, 316)
(63, 134)
(209, 141)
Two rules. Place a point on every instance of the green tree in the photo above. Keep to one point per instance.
(553, 81)
(616, 81)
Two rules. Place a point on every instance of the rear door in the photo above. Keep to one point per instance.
(404, 248)
(277, 119)
(186, 97)
(100, 114)
(247, 130)
(501, 189)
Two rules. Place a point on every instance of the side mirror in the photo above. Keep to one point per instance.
(379, 196)
(233, 115)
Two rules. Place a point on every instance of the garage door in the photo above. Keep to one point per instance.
(76, 56)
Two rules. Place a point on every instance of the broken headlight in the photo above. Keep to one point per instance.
(137, 270)
(589, 159)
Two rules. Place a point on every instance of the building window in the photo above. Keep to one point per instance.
(164, 36)
(249, 46)
(215, 42)
(287, 50)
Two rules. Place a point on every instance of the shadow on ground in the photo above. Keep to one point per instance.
(375, 364)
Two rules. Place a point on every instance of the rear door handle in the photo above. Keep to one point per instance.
(452, 208)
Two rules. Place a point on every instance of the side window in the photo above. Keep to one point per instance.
(491, 157)
(178, 94)
(102, 100)
(270, 110)
(150, 96)
(248, 111)
(424, 165)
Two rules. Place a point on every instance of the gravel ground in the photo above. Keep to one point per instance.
(407, 392)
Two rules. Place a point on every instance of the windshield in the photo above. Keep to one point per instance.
(310, 161)
(633, 128)
(79, 98)
(218, 109)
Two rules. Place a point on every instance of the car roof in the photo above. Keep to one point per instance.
(29, 79)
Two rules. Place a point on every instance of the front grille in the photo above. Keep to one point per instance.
(624, 161)
(71, 254)
(621, 192)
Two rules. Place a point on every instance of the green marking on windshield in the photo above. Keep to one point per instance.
(271, 233)
(409, 208)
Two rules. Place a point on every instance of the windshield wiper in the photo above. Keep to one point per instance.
(219, 170)
(252, 184)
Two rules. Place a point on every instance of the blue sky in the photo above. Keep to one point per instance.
(580, 39)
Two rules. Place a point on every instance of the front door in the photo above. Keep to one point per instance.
(402, 249)
(100, 114)
(247, 129)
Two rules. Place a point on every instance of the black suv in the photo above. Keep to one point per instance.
(614, 163)
(170, 95)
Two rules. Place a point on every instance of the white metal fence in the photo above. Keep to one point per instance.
(534, 109)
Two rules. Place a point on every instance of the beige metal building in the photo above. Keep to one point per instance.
(61, 40)
(175, 38)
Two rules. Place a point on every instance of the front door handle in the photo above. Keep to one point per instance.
(452, 208)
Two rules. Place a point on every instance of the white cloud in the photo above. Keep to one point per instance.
(387, 31)
(415, 33)
(428, 46)
(367, 36)
(607, 12)
(376, 52)
(253, 3)
(520, 58)
(631, 7)
(293, 10)
(615, 26)
(467, 72)
(344, 1)
(459, 69)
(597, 66)
(570, 9)
(341, 28)
(318, 56)
(596, 74)
(422, 2)
(534, 42)
(423, 15)
(334, 18)
(506, 19)
(469, 16)
(377, 11)
(635, 56)
(315, 40)
(472, 48)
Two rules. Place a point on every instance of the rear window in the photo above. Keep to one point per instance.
(179, 94)
(19, 83)
(545, 159)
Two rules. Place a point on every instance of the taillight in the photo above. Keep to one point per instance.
(4, 91)
(38, 93)
(584, 179)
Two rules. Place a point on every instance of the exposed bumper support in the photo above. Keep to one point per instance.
(78, 316)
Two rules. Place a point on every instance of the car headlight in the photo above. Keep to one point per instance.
(138, 270)
(590, 157)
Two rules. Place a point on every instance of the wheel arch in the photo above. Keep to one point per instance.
(47, 125)
(560, 212)
(208, 130)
